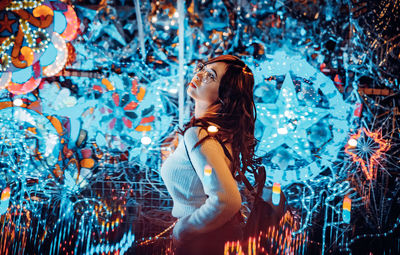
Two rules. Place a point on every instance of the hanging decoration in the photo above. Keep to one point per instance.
(33, 42)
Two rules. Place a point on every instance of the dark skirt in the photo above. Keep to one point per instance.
(212, 243)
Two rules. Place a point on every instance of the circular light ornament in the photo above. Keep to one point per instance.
(352, 142)
(207, 170)
(18, 102)
(62, 56)
(212, 129)
(145, 140)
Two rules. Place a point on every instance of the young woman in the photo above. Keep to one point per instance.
(217, 143)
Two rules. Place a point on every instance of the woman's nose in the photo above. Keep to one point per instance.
(199, 76)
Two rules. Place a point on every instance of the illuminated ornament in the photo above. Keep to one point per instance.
(71, 29)
(276, 193)
(61, 59)
(346, 209)
(38, 127)
(25, 87)
(366, 149)
(146, 140)
(108, 84)
(29, 42)
(303, 126)
(124, 113)
(212, 129)
(207, 170)
(55, 97)
(18, 102)
(119, 112)
(25, 34)
(5, 200)
(352, 143)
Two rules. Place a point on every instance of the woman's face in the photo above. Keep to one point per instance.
(205, 83)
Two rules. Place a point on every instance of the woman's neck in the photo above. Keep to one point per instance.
(200, 109)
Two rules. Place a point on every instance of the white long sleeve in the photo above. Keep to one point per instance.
(207, 197)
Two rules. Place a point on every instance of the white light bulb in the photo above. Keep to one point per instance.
(352, 142)
(282, 131)
(212, 129)
(18, 102)
(145, 140)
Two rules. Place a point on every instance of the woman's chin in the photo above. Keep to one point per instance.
(190, 91)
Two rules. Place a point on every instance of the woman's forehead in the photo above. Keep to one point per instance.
(218, 67)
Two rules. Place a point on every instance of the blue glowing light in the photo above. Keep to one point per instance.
(308, 113)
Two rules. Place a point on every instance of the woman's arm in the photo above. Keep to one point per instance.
(224, 199)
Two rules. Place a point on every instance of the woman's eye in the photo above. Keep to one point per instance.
(210, 75)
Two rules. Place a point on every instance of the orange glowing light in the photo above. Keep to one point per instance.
(370, 170)
(24, 88)
(207, 170)
(347, 203)
(71, 30)
(5, 195)
(276, 240)
(276, 188)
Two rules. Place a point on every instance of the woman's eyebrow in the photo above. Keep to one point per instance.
(216, 76)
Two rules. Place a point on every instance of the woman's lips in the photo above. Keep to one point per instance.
(192, 85)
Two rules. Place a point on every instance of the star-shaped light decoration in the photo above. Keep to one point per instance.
(366, 148)
(308, 122)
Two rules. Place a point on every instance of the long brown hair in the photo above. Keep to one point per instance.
(235, 113)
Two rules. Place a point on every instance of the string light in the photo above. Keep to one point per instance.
(62, 56)
(149, 240)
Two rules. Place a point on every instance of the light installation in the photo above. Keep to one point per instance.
(85, 123)
(303, 126)
(366, 149)
(31, 44)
